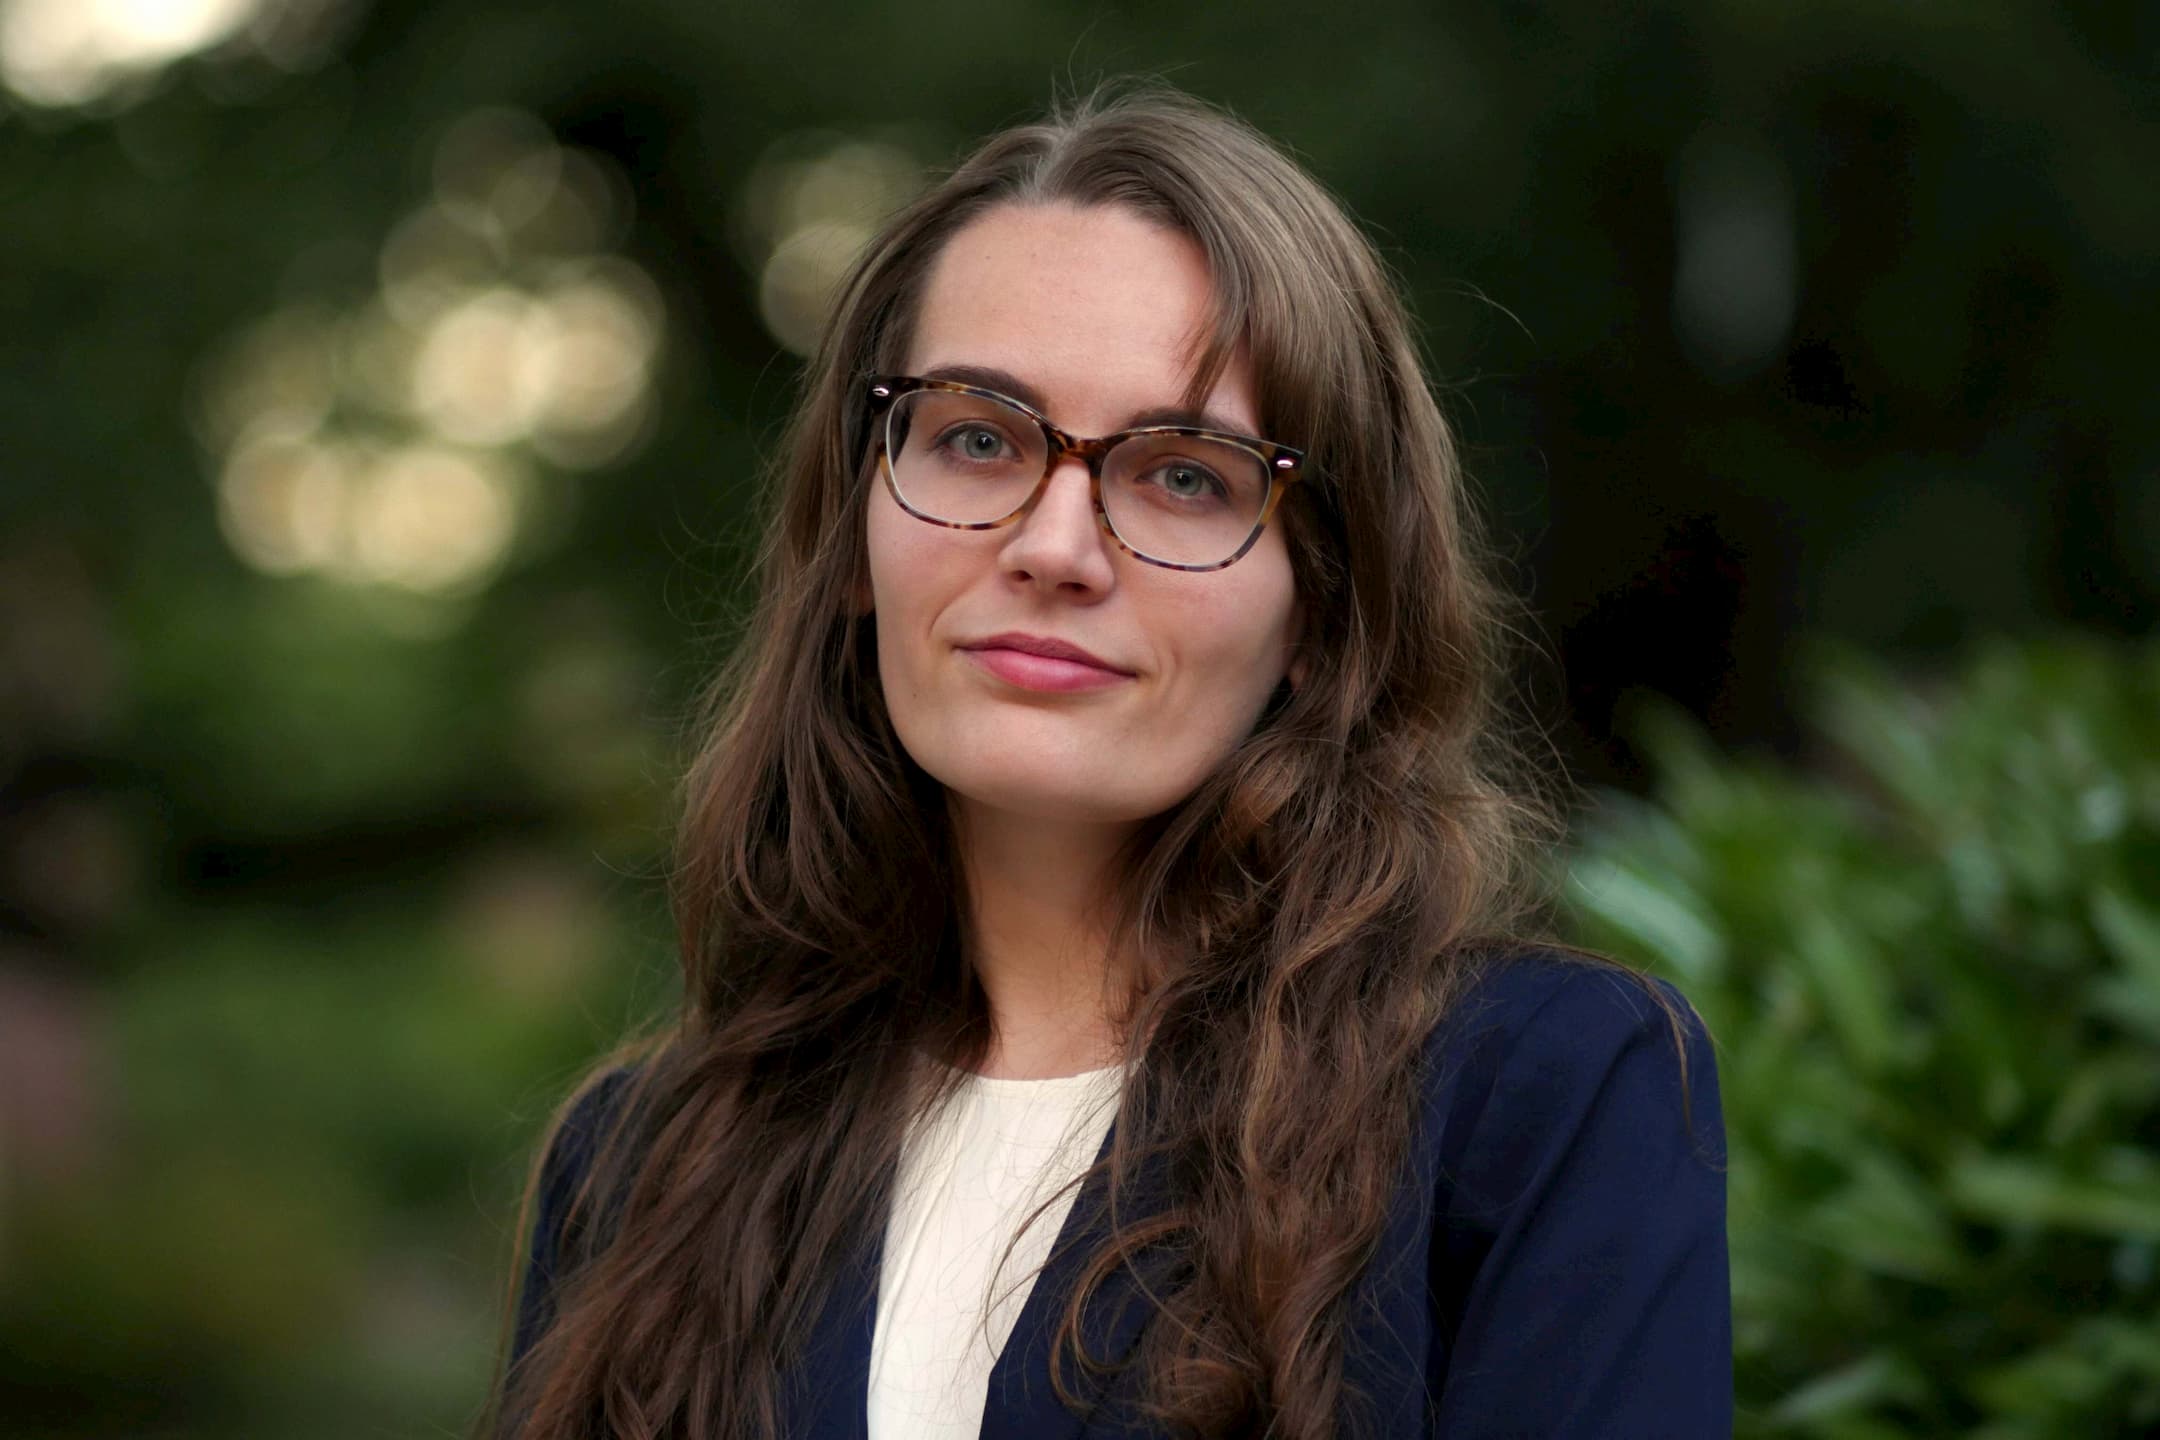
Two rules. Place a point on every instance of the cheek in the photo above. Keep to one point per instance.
(915, 571)
(1235, 645)
(894, 609)
(1261, 610)
(900, 567)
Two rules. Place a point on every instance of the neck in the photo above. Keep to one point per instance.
(1038, 901)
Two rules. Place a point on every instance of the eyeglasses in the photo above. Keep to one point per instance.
(1178, 496)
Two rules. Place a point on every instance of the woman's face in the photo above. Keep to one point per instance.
(1089, 314)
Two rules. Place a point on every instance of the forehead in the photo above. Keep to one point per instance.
(1101, 310)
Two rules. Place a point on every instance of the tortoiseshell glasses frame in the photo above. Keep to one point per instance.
(1282, 464)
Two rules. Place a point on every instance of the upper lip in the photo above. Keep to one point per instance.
(1043, 645)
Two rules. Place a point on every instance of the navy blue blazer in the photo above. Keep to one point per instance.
(1553, 1265)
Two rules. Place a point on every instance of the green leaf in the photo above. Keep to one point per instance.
(2029, 1192)
(1854, 989)
(2068, 1380)
(1661, 916)
(2132, 934)
(1865, 1384)
(1888, 1219)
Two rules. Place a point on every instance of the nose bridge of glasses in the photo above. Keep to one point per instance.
(1059, 490)
(1066, 446)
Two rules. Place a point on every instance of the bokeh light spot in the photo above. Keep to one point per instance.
(75, 52)
(283, 502)
(429, 518)
(807, 211)
(796, 289)
(280, 374)
(474, 377)
(393, 442)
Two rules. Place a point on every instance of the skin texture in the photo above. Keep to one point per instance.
(1096, 309)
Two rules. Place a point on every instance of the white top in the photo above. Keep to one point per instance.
(969, 1174)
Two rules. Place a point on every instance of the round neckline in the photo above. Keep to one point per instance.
(1008, 1085)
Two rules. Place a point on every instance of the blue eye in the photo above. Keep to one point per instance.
(1189, 482)
(974, 442)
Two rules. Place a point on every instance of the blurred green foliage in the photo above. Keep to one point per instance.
(297, 1217)
(1931, 961)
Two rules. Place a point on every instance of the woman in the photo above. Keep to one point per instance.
(1098, 893)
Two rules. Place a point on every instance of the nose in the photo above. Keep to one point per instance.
(1059, 544)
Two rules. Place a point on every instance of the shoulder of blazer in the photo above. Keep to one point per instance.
(1541, 992)
(1563, 1016)
(558, 1236)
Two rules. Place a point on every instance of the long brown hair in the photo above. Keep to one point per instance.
(1306, 917)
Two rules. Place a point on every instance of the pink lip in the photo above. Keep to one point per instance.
(1036, 662)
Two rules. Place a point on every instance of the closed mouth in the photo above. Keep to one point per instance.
(1046, 647)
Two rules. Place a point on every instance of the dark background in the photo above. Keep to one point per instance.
(345, 645)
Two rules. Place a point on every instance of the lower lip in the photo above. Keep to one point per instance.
(1043, 672)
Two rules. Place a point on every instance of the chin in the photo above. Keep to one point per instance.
(1045, 794)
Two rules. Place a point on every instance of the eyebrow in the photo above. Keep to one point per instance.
(989, 377)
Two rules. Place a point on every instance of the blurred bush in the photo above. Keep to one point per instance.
(1932, 966)
(286, 1208)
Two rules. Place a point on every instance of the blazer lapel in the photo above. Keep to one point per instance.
(1022, 1404)
(830, 1399)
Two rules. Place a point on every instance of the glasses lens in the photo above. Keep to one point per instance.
(1184, 500)
(962, 459)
